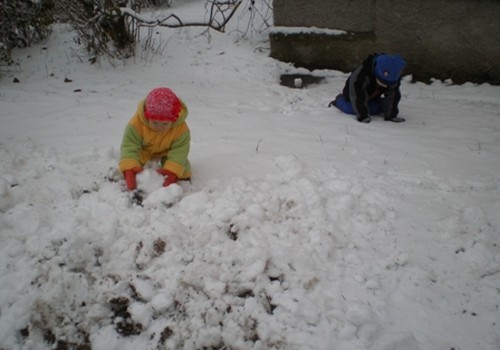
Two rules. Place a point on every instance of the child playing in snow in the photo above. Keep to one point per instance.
(378, 75)
(157, 132)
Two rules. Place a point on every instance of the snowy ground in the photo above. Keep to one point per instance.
(301, 229)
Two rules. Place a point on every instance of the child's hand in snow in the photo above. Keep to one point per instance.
(130, 177)
(170, 177)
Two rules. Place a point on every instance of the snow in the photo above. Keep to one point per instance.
(301, 228)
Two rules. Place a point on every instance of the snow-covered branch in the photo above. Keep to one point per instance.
(220, 14)
(99, 23)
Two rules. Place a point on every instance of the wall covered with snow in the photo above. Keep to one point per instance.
(440, 39)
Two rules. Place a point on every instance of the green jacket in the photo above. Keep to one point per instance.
(141, 144)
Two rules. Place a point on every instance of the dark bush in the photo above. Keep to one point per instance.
(100, 26)
(22, 23)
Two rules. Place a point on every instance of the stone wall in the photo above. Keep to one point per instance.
(457, 39)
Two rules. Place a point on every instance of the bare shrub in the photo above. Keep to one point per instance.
(112, 27)
(22, 23)
(100, 25)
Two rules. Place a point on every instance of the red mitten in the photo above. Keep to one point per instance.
(170, 177)
(130, 177)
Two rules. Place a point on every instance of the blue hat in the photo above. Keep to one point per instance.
(388, 68)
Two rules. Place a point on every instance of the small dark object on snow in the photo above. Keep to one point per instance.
(67, 80)
(63, 345)
(16, 80)
(138, 197)
(167, 333)
(233, 232)
(77, 90)
(128, 328)
(48, 336)
(119, 306)
(245, 293)
(25, 332)
(159, 246)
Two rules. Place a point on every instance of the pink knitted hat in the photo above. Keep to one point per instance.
(162, 105)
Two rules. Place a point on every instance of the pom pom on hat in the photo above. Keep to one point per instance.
(162, 105)
(388, 68)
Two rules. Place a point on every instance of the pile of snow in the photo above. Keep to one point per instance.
(301, 228)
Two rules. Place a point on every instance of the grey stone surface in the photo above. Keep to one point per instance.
(457, 39)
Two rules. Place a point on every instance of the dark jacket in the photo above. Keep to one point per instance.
(361, 86)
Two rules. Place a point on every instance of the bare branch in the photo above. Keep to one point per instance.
(100, 23)
(225, 10)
